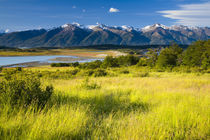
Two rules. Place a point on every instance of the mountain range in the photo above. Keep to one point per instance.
(75, 34)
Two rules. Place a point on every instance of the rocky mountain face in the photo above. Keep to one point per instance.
(77, 35)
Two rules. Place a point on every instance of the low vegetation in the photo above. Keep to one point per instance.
(127, 97)
(196, 56)
(23, 91)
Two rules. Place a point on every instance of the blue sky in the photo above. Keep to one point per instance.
(33, 14)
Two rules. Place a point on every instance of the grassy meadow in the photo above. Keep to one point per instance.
(131, 103)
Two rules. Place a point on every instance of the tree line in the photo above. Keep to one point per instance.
(196, 55)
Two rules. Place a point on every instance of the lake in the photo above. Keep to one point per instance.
(17, 60)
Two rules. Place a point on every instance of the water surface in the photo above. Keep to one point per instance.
(11, 60)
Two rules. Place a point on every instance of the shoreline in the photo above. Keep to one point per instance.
(74, 56)
(53, 60)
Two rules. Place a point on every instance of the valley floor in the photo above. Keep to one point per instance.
(72, 52)
(126, 105)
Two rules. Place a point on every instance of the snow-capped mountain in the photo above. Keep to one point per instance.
(76, 34)
(127, 28)
(67, 25)
(4, 31)
(179, 27)
(153, 27)
(98, 26)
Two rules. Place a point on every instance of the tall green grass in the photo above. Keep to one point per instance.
(126, 106)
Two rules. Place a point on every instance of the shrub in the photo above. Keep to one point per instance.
(1, 68)
(100, 73)
(125, 72)
(18, 69)
(142, 74)
(73, 72)
(89, 72)
(151, 57)
(127, 60)
(169, 56)
(95, 73)
(142, 62)
(197, 54)
(8, 73)
(60, 65)
(23, 91)
(159, 70)
(90, 85)
(110, 61)
(91, 65)
(75, 64)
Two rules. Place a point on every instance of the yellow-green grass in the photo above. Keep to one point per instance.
(72, 52)
(159, 106)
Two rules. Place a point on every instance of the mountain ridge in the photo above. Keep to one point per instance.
(75, 34)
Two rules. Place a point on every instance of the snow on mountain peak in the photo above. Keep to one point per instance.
(5, 31)
(91, 26)
(106, 27)
(178, 27)
(182, 27)
(65, 25)
(98, 25)
(153, 27)
(149, 28)
(72, 26)
(76, 24)
(69, 25)
(127, 28)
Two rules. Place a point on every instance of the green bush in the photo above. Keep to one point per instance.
(125, 72)
(18, 69)
(110, 61)
(73, 72)
(151, 57)
(60, 65)
(8, 73)
(24, 91)
(91, 65)
(57, 74)
(75, 64)
(169, 56)
(90, 85)
(95, 73)
(197, 54)
(127, 60)
(142, 74)
(142, 62)
(100, 73)
(89, 73)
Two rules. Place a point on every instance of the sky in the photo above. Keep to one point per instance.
(34, 14)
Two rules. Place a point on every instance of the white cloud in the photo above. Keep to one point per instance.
(190, 14)
(114, 10)
(74, 7)
(83, 10)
